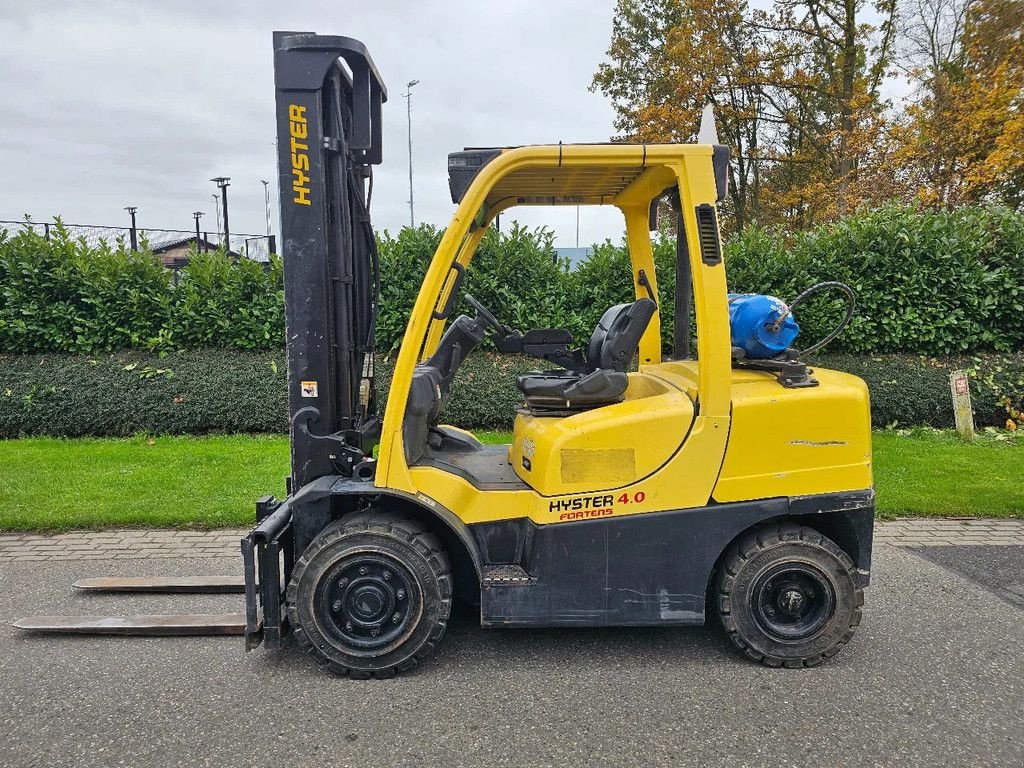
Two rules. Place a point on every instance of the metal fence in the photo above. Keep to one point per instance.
(255, 247)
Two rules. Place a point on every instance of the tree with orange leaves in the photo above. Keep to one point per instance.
(796, 90)
(667, 60)
(961, 140)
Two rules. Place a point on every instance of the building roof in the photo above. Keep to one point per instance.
(169, 241)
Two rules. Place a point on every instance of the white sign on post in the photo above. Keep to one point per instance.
(963, 413)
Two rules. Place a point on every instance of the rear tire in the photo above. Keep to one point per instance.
(788, 596)
(371, 595)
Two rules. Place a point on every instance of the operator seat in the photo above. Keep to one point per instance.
(602, 379)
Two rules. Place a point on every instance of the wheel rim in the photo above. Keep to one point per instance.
(367, 602)
(792, 601)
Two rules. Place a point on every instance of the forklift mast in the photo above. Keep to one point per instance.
(328, 100)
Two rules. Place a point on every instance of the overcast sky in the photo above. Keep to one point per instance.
(111, 103)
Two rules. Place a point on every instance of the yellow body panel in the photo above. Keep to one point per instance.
(471, 504)
(604, 448)
(796, 442)
(781, 442)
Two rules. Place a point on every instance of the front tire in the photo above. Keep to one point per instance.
(788, 596)
(371, 595)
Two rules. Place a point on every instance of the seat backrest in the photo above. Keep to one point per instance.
(618, 333)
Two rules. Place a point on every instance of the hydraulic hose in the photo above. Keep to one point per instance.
(851, 305)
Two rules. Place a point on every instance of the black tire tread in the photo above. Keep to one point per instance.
(748, 547)
(392, 524)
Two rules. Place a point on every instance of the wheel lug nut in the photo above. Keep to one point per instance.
(348, 626)
(336, 606)
(394, 618)
(400, 594)
(386, 575)
(375, 631)
(342, 583)
(363, 570)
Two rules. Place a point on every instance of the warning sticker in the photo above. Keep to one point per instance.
(309, 389)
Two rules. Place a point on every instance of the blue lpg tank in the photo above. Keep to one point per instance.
(750, 314)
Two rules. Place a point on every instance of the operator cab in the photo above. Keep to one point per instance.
(588, 422)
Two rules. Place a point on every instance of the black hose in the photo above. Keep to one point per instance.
(851, 305)
(371, 243)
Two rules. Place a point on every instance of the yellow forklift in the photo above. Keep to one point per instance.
(637, 489)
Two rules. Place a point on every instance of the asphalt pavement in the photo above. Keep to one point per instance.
(1000, 569)
(933, 677)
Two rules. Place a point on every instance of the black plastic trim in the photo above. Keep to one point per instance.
(644, 569)
(707, 231)
(720, 163)
(464, 166)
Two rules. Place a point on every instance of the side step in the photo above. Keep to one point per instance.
(150, 626)
(505, 576)
(206, 585)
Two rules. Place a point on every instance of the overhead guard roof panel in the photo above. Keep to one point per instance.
(567, 174)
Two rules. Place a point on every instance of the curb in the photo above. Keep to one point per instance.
(141, 544)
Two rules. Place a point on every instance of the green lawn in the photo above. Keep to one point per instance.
(208, 482)
(937, 474)
(165, 481)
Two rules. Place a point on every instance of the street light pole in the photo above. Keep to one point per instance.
(133, 234)
(224, 182)
(408, 115)
(216, 203)
(266, 202)
(197, 215)
(271, 240)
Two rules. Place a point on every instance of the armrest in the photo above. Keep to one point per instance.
(551, 344)
(548, 336)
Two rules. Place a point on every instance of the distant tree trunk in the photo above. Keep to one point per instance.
(848, 66)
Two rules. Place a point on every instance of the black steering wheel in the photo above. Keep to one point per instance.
(483, 313)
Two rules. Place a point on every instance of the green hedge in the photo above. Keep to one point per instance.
(224, 391)
(124, 394)
(935, 283)
(62, 295)
(930, 282)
